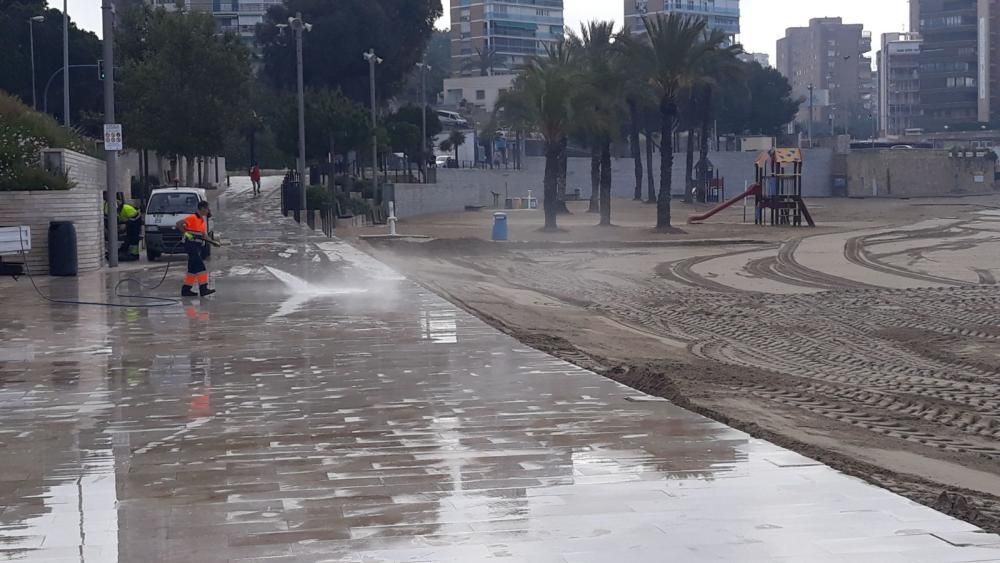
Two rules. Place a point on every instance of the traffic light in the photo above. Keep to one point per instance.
(100, 68)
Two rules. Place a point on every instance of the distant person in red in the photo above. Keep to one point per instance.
(255, 178)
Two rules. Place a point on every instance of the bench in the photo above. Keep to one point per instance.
(14, 241)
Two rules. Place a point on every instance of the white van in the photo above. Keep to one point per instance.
(166, 207)
(451, 119)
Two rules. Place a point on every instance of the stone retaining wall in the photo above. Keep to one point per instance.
(86, 172)
(37, 208)
(456, 189)
(917, 173)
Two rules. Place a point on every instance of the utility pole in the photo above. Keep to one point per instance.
(424, 68)
(111, 162)
(811, 105)
(299, 27)
(373, 60)
(66, 120)
(31, 34)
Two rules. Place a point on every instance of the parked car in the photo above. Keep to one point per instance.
(452, 119)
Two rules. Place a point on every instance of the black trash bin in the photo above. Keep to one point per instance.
(63, 260)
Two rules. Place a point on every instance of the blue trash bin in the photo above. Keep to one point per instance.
(499, 226)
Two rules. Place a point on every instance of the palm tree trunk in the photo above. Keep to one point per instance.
(668, 115)
(332, 178)
(550, 202)
(649, 167)
(563, 175)
(689, 166)
(706, 118)
(595, 177)
(606, 181)
(633, 141)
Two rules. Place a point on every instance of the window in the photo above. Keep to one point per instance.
(961, 82)
(480, 94)
(173, 203)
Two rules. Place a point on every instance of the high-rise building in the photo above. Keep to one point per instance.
(827, 62)
(959, 72)
(497, 36)
(899, 82)
(723, 15)
(230, 15)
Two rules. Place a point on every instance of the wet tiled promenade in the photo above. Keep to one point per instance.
(321, 408)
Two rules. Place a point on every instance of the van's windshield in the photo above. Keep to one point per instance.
(173, 203)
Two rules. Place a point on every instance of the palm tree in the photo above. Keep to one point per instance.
(542, 96)
(688, 122)
(455, 140)
(668, 60)
(638, 100)
(598, 102)
(720, 66)
(485, 61)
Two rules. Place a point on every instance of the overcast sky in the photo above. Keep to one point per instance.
(763, 21)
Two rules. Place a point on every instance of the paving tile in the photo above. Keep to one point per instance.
(346, 414)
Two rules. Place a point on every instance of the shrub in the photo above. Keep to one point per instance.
(23, 133)
(319, 197)
(35, 179)
(353, 206)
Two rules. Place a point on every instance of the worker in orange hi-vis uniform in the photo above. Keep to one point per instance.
(194, 228)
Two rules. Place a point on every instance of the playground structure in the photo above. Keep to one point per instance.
(777, 191)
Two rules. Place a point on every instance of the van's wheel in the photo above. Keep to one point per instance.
(152, 255)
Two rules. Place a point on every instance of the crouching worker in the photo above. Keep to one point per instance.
(194, 229)
(131, 218)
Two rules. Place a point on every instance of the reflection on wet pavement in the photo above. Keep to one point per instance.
(382, 424)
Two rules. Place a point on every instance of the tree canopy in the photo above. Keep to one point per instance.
(760, 102)
(328, 112)
(86, 93)
(341, 31)
(186, 87)
(438, 56)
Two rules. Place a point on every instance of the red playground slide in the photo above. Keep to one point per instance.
(751, 191)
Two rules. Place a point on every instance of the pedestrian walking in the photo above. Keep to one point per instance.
(255, 178)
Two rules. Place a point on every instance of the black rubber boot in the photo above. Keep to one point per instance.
(205, 292)
(187, 292)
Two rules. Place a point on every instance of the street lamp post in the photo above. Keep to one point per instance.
(373, 60)
(111, 162)
(424, 68)
(66, 120)
(48, 84)
(811, 106)
(299, 26)
(31, 35)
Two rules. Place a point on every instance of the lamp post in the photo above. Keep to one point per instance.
(66, 120)
(373, 60)
(299, 26)
(31, 35)
(811, 106)
(424, 69)
(111, 160)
